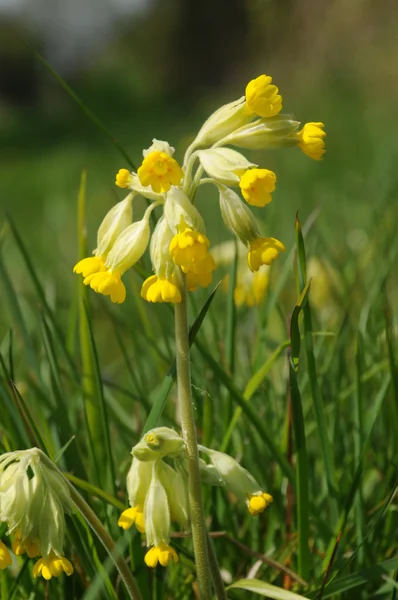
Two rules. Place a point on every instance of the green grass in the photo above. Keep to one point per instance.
(304, 392)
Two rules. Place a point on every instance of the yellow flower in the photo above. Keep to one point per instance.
(194, 280)
(19, 547)
(257, 185)
(263, 98)
(189, 249)
(160, 289)
(131, 516)
(263, 251)
(160, 171)
(108, 283)
(251, 288)
(310, 140)
(162, 554)
(90, 266)
(257, 503)
(52, 566)
(5, 556)
(123, 178)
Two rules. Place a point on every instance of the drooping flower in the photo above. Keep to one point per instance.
(157, 522)
(115, 221)
(257, 186)
(126, 251)
(239, 481)
(34, 499)
(311, 140)
(164, 286)
(263, 251)
(262, 97)
(138, 481)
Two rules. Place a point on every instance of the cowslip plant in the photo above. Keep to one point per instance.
(182, 261)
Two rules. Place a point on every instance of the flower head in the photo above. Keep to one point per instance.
(263, 251)
(123, 178)
(52, 566)
(160, 289)
(262, 97)
(189, 249)
(257, 186)
(159, 170)
(311, 140)
(34, 499)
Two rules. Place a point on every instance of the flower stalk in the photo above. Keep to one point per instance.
(199, 534)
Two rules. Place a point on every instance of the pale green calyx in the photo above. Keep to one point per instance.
(224, 164)
(272, 132)
(161, 259)
(178, 206)
(237, 216)
(159, 443)
(115, 221)
(237, 479)
(156, 511)
(223, 121)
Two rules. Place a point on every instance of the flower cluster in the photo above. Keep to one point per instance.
(179, 247)
(158, 492)
(33, 502)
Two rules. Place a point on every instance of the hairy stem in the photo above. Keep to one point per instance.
(199, 533)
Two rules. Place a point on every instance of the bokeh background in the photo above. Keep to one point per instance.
(150, 68)
(158, 68)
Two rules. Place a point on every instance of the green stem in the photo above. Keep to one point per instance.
(102, 534)
(199, 534)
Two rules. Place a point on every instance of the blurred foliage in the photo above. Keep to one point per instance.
(163, 72)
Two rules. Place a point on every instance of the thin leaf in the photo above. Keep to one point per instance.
(265, 589)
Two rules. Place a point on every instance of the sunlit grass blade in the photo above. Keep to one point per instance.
(261, 588)
(317, 399)
(350, 494)
(302, 472)
(40, 293)
(248, 410)
(251, 388)
(12, 301)
(102, 443)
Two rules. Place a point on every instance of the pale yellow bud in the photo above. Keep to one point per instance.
(237, 216)
(223, 121)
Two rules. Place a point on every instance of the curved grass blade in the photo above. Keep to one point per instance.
(317, 399)
(89, 113)
(265, 589)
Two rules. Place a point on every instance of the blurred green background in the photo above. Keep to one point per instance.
(158, 69)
